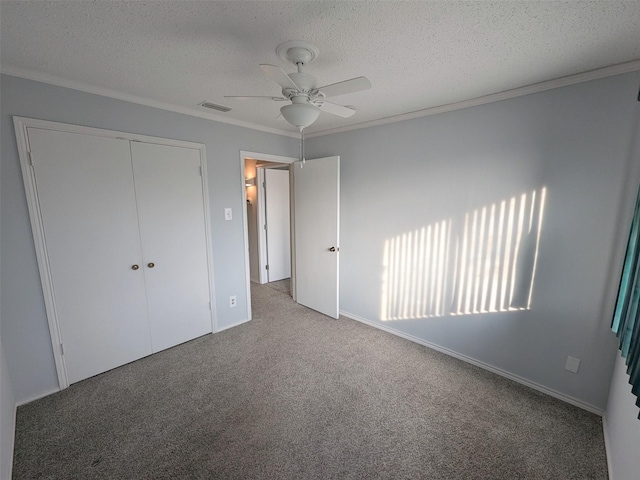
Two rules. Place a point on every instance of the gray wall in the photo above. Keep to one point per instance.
(395, 179)
(575, 141)
(24, 326)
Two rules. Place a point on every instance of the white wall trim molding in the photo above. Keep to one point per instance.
(21, 124)
(262, 240)
(104, 92)
(494, 97)
(267, 157)
(607, 445)
(477, 363)
(13, 439)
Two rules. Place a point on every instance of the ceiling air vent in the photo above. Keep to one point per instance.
(214, 106)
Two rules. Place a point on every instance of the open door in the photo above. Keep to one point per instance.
(278, 224)
(317, 234)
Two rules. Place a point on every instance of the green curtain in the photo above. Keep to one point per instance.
(625, 322)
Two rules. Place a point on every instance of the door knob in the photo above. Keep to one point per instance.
(334, 249)
(151, 264)
(134, 267)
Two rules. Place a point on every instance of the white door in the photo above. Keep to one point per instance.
(316, 224)
(278, 224)
(170, 203)
(88, 210)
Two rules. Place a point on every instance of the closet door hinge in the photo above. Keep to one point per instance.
(265, 226)
(30, 158)
(200, 170)
(266, 267)
(210, 306)
(62, 348)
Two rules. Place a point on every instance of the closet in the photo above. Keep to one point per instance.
(122, 238)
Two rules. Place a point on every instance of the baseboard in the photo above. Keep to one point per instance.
(498, 371)
(232, 325)
(37, 396)
(607, 450)
(10, 447)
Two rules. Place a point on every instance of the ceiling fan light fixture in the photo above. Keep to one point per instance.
(300, 115)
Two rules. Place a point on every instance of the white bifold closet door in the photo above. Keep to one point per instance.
(124, 231)
(171, 218)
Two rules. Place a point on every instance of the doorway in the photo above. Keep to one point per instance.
(267, 221)
(314, 218)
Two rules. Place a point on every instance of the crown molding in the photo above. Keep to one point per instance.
(494, 97)
(104, 92)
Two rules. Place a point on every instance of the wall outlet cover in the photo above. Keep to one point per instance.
(573, 364)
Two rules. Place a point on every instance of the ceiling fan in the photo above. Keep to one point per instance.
(307, 99)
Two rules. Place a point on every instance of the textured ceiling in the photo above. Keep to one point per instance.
(417, 55)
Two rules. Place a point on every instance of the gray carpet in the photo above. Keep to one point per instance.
(283, 286)
(296, 395)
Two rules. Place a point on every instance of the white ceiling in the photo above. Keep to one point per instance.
(418, 55)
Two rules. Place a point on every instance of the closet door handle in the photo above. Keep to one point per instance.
(135, 267)
(334, 249)
(151, 264)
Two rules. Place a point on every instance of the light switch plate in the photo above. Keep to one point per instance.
(227, 214)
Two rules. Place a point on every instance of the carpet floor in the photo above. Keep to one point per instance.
(283, 286)
(296, 395)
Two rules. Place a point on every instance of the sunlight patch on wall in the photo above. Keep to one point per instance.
(485, 262)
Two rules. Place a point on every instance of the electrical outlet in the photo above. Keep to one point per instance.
(573, 364)
(232, 301)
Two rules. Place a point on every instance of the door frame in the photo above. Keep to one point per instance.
(21, 124)
(263, 277)
(246, 155)
(261, 198)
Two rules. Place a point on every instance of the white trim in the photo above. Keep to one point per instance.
(494, 97)
(478, 363)
(263, 276)
(267, 157)
(213, 312)
(245, 236)
(598, 73)
(234, 325)
(37, 396)
(21, 124)
(101, 132)
(11, 446)
(607, 443)
(105, 92)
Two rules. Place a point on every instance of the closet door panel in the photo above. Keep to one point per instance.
(171, 219)
(88, 211)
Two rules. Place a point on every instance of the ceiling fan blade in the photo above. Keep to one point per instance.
(246, 97)
(348, 86)
(279, 76)
(334, 109)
